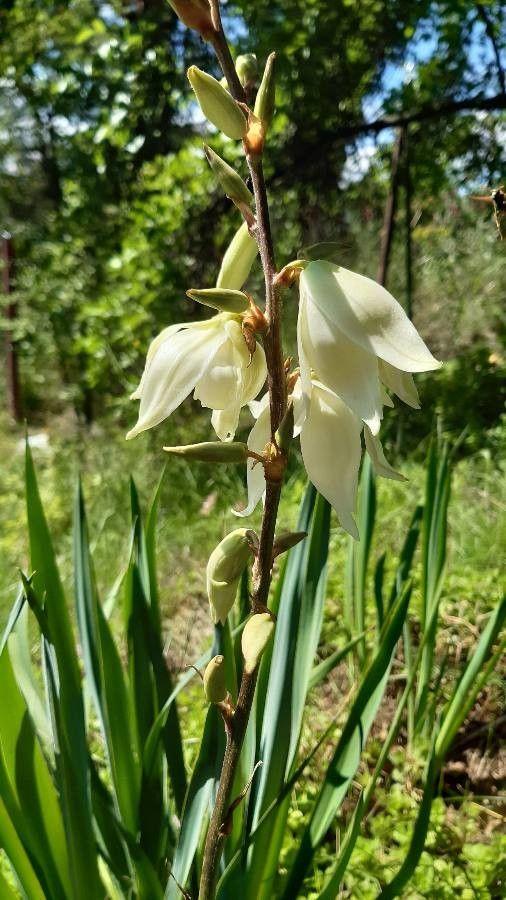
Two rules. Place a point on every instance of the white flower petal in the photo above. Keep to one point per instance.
(300, 407)
(231, 381)
(219, 386)
(225, 421)
(331, 450)
(368, 315)
(176, 364)
(400, 383)
(304, 364)
(344, 367)
(379, 462)
(258, 438)
(153, 347)
(254, 375)
(385, 397)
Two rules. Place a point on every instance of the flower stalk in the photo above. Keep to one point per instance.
(262, 569)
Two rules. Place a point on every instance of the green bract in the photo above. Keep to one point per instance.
(231, 182)
(266, 95)
(221, 298)
(212, 451)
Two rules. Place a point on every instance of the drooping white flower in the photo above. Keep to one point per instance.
(356, 336)
(330, 441)
(210, 358)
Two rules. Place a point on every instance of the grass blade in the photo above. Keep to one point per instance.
(197, 803)
(18, 857)
(69, 733)
(26, 784)
(346, 758)
(105, 677)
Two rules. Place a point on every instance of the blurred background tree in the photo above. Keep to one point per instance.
(102, 175)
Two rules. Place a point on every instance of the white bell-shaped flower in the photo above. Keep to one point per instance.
(210, 358)
(331, 449)
(357, 337)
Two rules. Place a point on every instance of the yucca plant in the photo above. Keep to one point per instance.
(96, 797)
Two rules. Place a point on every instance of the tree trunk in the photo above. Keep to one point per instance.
(13, 387)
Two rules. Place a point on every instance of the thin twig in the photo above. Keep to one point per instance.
(276, 379)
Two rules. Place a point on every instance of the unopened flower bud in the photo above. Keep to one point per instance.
(221, 298)
(217, 104)
(246, 67)
(255, 638)
(215, 687)
(224, 569)
(212, 452)
(239, 257)
(231, 182)
(195, 14)
(266, 94)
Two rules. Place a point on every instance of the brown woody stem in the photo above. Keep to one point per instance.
(262, 573)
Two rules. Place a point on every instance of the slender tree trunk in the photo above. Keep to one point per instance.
(13, 386)
(408, 216)
(387, 231)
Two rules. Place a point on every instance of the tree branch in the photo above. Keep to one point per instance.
(433, 111)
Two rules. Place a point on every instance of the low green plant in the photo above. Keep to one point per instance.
(92, 764)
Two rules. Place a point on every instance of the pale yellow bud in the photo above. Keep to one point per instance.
(217, 104)
(239, 257)
(215, 687)
(246, 67)
(224, 569)
(255, 638)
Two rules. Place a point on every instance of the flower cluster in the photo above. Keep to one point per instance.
(354, 342)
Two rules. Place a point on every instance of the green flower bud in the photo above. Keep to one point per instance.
(239, 257)
(224, 569)
(231, 182)
(266, 94)
(212, 452)
(217, 104)
(255, 638)
(220, 298)
(195, 14)
(246, 67)
(215, 687)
